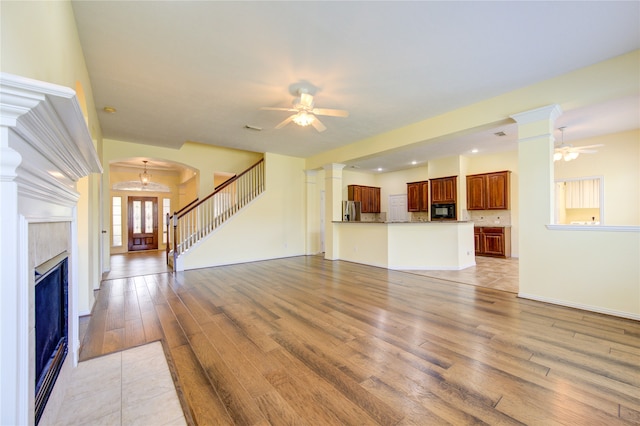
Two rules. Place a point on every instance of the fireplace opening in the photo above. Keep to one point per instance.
(51, 324)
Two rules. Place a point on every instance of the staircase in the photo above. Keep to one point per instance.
(201, 218)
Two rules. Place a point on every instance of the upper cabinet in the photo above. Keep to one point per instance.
(369, 197)
(443, 190)
(418, 196)
(489, 191)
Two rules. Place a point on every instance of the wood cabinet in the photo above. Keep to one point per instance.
(418, 196)
(493, 241)
(369, 197)
(444, 190)
(489, 191)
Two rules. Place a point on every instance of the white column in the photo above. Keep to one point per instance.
(333, 210)
(536, 200)
(535, 163)
(312, 243)
(13, 353)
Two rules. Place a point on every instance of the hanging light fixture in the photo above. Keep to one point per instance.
(303, 118)
(564, 152)
(145, 177)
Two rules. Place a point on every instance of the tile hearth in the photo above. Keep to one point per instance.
(132, 387)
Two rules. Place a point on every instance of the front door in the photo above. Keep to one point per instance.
(143, 223)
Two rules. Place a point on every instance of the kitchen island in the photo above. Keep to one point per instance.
(436, 245)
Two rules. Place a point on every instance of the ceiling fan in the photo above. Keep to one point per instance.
(568, 152)
(304, 112)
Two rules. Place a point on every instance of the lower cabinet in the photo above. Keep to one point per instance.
(492, 241)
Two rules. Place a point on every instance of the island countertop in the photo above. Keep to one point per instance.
(405, 222)
(433, 245)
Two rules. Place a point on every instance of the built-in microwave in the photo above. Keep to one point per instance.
(443, 211)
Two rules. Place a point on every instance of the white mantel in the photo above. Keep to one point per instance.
(45, 148)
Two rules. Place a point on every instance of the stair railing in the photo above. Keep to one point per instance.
(199, 220)
(168, 222)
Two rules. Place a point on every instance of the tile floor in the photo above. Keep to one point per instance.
(490, 272)
(137, 263)
(132, 387)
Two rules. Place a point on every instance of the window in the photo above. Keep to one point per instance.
(579, 201)
(166, 210)
(116, 221)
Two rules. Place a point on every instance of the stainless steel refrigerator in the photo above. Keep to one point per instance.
(351, 211)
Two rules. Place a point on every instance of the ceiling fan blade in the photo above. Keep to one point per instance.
(278, 109)
(585, 151)
(285, 122)
(589, 146)
(331, 112)
(317, 124)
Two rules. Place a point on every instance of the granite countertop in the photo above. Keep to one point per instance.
(407, 222)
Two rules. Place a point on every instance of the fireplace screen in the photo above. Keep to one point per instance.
(51, 320)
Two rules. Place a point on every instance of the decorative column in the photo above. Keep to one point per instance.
(14, 396)
(312, 225)
(333, 208)
(535, 166)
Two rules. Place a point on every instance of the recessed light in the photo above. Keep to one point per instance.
(413, 163)
(474, 151)
(109, 109)
(379, 169)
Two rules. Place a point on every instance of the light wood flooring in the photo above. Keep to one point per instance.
(308, 341)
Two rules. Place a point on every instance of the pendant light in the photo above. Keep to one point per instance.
(145, 177)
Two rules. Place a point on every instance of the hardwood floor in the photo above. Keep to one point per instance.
(304, 340)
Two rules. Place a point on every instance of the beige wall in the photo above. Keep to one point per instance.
(271, 226)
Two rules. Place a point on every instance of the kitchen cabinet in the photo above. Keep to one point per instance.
(489, 191)
(418, 196)
(493, 241)
(443, 190)
(369, 197)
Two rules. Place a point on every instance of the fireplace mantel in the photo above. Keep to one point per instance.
(45, 148)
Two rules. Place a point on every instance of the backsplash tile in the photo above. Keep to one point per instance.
(490, 217)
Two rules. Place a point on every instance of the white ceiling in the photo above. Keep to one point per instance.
(181, 71)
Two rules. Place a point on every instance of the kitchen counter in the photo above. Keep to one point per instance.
(435, 245)
(407, 222)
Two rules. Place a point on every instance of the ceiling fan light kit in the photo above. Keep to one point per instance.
(303, 119)
(569, 152)
(304, 112)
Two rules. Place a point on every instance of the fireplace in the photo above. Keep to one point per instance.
(51, 326)
(46, 155)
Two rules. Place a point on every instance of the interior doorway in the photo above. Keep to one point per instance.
(398, 208)
(143, 223)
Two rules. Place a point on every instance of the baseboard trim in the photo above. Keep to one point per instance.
(581, 306)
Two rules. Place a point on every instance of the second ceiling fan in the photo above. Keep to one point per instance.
(305, 113)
